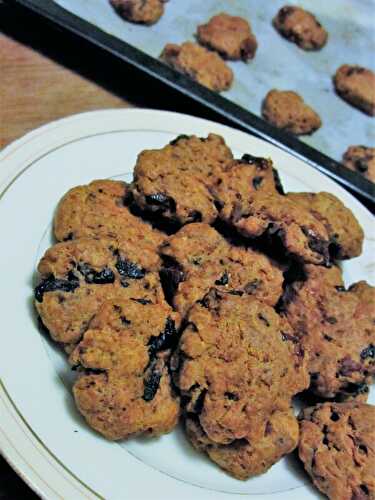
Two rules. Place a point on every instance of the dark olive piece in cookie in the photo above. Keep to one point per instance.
(361, 159)
(300, 27)
(337, 448)
(139, 11)
(356, 85)
(288, 111)
(202, 259)
(345, 233)
(336, 327)
(231, 36)
(175, 181)
(237, 367)
(200, 64)
(76, 277)
(124, 388)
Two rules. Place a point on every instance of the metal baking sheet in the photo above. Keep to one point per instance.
(278, 63)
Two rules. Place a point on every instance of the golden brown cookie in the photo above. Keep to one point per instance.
(237, 367)
(344, 231)
(356, 85)
(288, 111)
(175, 181)
(139, 11)
(200, 64)
(76, 277)
(300, 27)
(336, 327)
(198, 259)
(98, 210)
(361, 159)
(231, 36)
(124, 388)
(337, 448)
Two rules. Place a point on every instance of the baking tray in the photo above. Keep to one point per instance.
(225, 107)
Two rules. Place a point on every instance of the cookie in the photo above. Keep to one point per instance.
(200, 64)
(361, 159)
(231, 36)
(99, 210)
(336, 327)
(345, 233)
(139, 11)
(356, 85)
(300, 27)
(76, 277)
(337, 449)
(198, 259)
(288, 111)
(124, 388)
(175, 181)
(237, 366)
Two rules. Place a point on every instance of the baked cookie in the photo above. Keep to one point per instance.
(77, 276)
(336, 327)
(125, 388)
(356, 85)
(231, 36)
(237, 367)
(198, 259)
(200, 64)
(300, 27)
(175, 181)
(337, 448)
(345, 233)
(288, 111)
(361, 159)
(98, 210)
(139, 11)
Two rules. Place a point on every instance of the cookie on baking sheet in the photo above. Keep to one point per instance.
(337, 448)
(361, 159)
(139, 11)
(175, 181)
(124, 388)
(237, 367)
(288, 111)
(345, 233)
(336, 327)
(231, 36)
(99, 210)
(356, 85)
(76, 277)
(200, 64)
(300, 27)
(198, 259)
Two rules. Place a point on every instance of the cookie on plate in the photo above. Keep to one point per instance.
(76, 277)
(237, 367)
(99, 210)
(231, 36)
(300, 27)
(345, 233)
(139, 11)
(175, 181)
(198, 259)
(200, 64)
(337, 449)
(336, 327)
(356, 85)
(288, 111)
(124, 388)
(361, 159)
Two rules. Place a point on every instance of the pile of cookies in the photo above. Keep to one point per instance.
(202, 291)
(226, 37)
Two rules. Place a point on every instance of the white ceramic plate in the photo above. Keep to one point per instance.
(41, 433)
